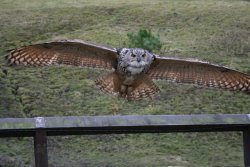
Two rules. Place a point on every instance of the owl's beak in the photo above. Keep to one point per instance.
(138, 59)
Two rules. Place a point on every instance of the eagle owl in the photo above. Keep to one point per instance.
(132, 68)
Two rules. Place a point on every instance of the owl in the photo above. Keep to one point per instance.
(131, 69)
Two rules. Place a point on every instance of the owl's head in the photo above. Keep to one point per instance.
(135, 60)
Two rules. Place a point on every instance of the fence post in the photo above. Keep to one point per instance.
(246, 144)
(40, 143)
(40, 147)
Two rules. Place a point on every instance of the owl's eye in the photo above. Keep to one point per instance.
(143, 55)
(133, 55)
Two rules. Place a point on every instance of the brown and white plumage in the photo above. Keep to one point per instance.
(69, 52)
(133, 69)
(199, 73)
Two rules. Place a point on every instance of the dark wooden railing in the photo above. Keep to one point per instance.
(41, 127)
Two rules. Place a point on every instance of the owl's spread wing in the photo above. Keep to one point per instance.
(200, 73)
(69, 52)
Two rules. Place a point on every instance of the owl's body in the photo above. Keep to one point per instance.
(133, 68)
(132, 65)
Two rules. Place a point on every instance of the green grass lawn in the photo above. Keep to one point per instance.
(215, 31)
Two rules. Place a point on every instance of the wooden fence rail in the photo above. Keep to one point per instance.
(41, 127)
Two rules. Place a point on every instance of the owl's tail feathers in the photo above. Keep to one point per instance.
(109, 83)
(143, 88)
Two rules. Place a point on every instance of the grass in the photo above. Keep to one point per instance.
(215, 31)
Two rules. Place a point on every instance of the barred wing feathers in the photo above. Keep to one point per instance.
(200, 73)
(68, 52)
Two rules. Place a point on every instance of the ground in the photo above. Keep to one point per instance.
(210, 30)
